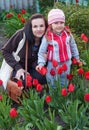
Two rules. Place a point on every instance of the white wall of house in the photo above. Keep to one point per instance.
(17, 4)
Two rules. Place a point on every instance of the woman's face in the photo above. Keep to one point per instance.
(38, 27)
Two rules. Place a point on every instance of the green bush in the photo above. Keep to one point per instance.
(14, 21)
(43, 5)
(78, 21)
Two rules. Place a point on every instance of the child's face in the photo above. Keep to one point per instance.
(57, 27)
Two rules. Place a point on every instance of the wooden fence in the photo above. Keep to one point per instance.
(17, 4)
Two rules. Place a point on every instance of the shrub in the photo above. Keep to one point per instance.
(15, 20)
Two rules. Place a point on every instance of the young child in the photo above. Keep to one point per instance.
(59, 45)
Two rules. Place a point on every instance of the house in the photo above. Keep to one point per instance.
(17, 4)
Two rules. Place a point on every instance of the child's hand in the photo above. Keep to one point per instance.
(41, 69)
(38, 67)
(79, 63)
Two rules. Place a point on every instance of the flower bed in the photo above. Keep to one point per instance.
(42, 109)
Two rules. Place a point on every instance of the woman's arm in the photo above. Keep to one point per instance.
(10, 47)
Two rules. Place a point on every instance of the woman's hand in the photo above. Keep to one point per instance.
(20, 73)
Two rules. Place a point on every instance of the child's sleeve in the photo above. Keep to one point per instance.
(42, 50)
(74, 48)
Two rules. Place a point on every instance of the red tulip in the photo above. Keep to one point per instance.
(84, 37)
(0, 97)
(43, 70)
(23, 20)
(54, 63)
(23, 11)
(71, 88)
(13, 112)
(86, 75)
(74, 61)
(19, 82)
(60, 70)
(80, 71)
(39, 88)
(64, 67)
(28, 77)
(69, 76)
(48, 99)
(52, 72)
(67, 27)
(64, 92)
(35, 82)
(86, 97)
(19, 15)
(9, 15)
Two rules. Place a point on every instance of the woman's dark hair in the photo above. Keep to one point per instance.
(28, 27)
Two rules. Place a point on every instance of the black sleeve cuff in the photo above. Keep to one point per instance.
(17, 67)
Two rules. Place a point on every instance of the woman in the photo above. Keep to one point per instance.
(32, 32)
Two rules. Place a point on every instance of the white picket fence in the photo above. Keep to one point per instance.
(16, 4)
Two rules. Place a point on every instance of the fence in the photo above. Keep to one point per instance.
(80, 2)
(17, 4)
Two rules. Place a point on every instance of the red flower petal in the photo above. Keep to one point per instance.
(69, 76)
(28, 77)
(23, 20)
(60, 70)
(86, 75)
(52, 72)
(74, 61)
(54, 63)
(39, 88)
(71, 88)
(80, 71)
(48, 99)
(84, 37)
(35, 82)
(64, 67)
(64, 92)
(67, 27)
(9, 15)
(1, 82)
(0, 97)
(29, 84)
(43, 71)
(13, 112)
(23, 11)
(19, 15)
(19, 82)
(86, 97)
